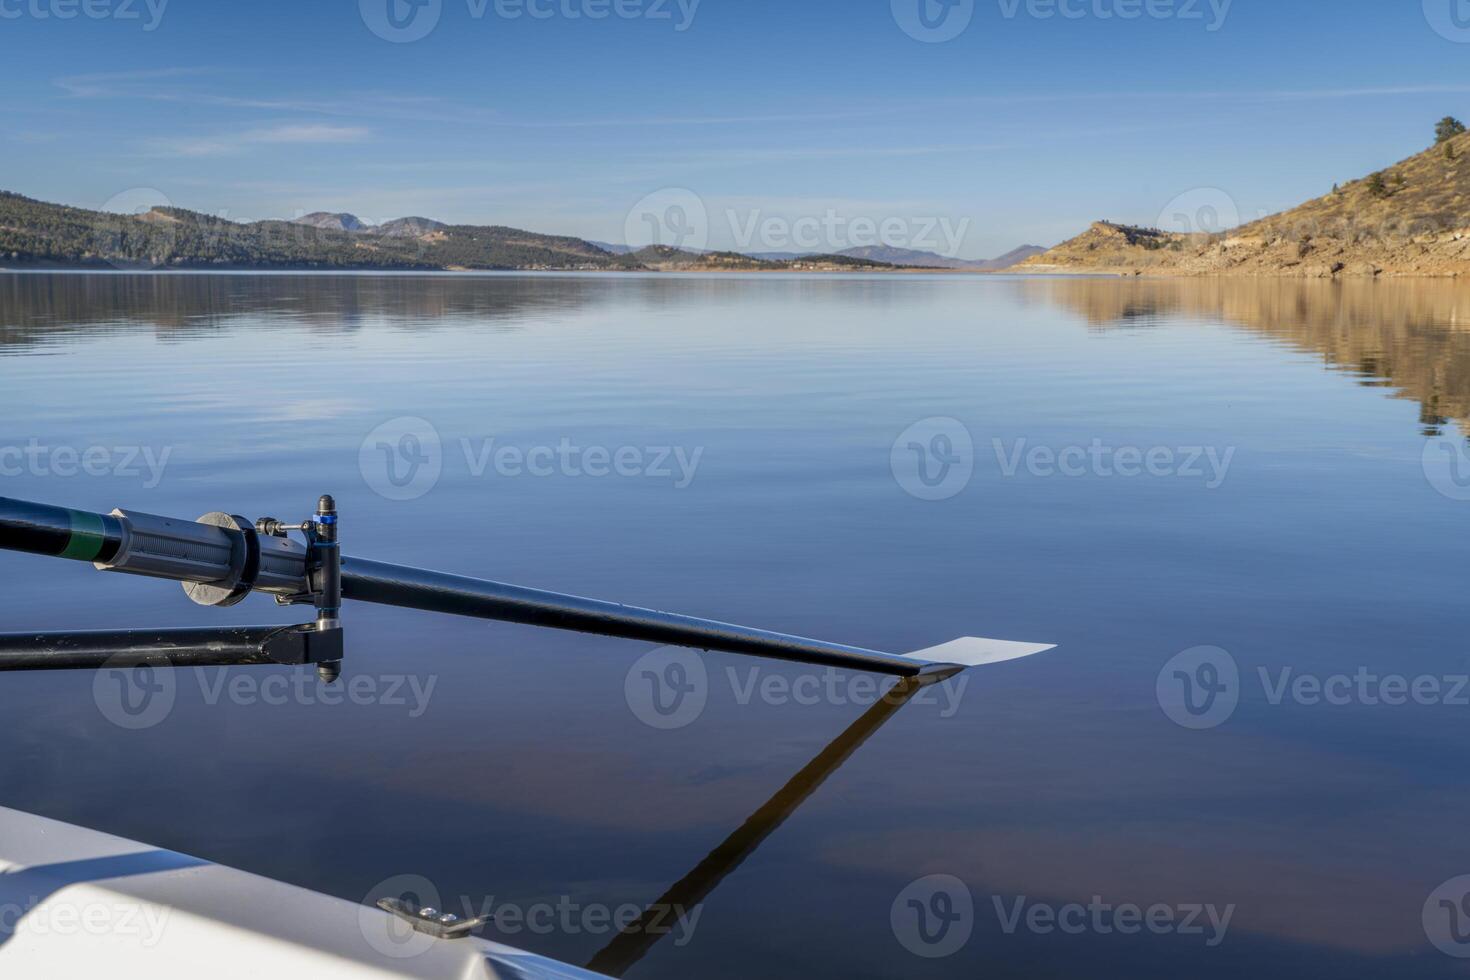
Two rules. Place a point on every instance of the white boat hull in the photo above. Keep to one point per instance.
(75, 903)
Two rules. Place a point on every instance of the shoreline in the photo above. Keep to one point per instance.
(1341, 276)
(376, 271)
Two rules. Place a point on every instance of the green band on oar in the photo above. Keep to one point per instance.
(87, 537)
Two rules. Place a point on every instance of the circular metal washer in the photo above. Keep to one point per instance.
(244, 565)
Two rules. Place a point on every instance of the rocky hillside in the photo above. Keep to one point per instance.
(34, 233)
(1411, 219)
(332, 221)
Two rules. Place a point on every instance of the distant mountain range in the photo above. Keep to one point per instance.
(35, 233)
(932, 260)
(907, 257)
(332, 222)
(400, 228)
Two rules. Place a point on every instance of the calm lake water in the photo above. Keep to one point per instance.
(1151, 468)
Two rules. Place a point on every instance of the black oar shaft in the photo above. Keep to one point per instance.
(396, 585)
(189, 551)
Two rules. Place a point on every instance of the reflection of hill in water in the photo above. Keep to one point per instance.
(1411, 336)
(38, 310)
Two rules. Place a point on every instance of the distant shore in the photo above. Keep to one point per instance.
(106, 269)
(38, 234)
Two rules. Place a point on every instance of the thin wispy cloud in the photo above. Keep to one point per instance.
(114, 84)
(877, 108)
(237, 142)
(163, 85)
(157, 85)
(1307, 95)
(1268, 95)
(145, 85)
(833, 116)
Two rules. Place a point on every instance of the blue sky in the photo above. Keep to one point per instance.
(773, 118)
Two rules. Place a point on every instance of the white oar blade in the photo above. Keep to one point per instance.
(972, 651)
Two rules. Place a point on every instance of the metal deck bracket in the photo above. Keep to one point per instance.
(431, 921)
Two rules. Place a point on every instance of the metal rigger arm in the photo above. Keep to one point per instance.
(165, 548)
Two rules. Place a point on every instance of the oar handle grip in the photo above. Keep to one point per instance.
(58, 532)
(211, 551)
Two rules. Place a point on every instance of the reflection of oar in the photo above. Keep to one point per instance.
(221, 559)
(630, 945)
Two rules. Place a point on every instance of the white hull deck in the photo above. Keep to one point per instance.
(76, 903)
